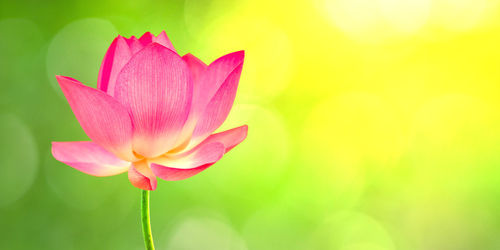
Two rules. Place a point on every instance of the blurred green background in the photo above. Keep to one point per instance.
(373, 125)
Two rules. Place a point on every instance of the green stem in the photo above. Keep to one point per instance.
(146, 223)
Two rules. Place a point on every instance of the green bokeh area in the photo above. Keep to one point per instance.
(362, 136)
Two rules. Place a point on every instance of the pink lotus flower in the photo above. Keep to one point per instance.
(153, 112)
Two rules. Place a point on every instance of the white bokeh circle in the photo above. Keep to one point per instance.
(460, 15)
(407, 16)
(277, 227)
(351, 230)
(78, 190)
(203, 232)
(20, 45)
(78, 49)
(18, 159)
(262, 155)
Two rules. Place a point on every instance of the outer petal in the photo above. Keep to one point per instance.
(146, 38)
(131, 40)
(214, 77)
(89, 158)
(141, 176)
(196, 66)
(116, 57)
(218, 108)
(102, 118)
(229, 138)
(134, 44)
(209, 82)
(162, 39)
(188, 164)
(156, 88)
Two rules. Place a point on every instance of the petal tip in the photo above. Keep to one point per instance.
(64, 79)
(245, 128)
(240, 54)
(141, 181)
(120, 37)
(61, 78)
(53, 149)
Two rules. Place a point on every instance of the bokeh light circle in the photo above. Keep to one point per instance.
(268, 56)
(19, 47)
(59, 236)
(204, 12)
(18, 159)
(449, 217)
(227, 28)
(277, 227)
(364, 246)
(78, 190)
(459, 15)
(354, 126)
(78, 49)
(360, 20)
(351, 230)
(407, 16)
(453, 133)
(204, 232)
(377, 22)
(267, 144)
(344, 138)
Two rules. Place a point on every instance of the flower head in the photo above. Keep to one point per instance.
(153, 112)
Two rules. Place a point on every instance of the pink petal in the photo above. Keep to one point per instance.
(196, 66)
(116, 57)
(162, 39)
(134, 44)
(218, 108)
(188, 164)
(156, 88)
(141, 176)
(208, 82)
(102, 118)
(130, 40)
(214, 77)
(229, 138)
(89, 158)
(146, 38)
(218, 71)
(177, 174)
